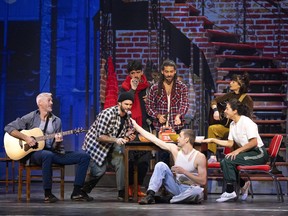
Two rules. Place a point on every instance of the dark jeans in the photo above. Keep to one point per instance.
(46, 158)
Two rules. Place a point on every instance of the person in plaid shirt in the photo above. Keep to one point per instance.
(168, 92)
(167, 102)
(105, 138)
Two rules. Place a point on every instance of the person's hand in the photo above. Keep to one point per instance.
(130, 134)
(58, 137)
(131, 137)
(145, 98)
(232, 155)
(134, 83)
(177, 170)
(133, 122)
(121, 141)
(216, 115)
(30, 141)
(177, 120)
(162, 118)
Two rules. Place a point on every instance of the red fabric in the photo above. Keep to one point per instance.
(255, 168)
(227, 150)
(214, 165)
(136, 107)
(112, 86)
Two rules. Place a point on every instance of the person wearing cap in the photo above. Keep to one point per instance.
(105, 139)
(238, 89)
(136, 83)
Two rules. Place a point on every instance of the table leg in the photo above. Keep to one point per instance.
(204, 148)
(135, 186)
(126, 161)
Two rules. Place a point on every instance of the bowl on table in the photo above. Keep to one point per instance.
(174, 137)
(142, 138)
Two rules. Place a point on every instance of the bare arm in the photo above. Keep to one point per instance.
(109, 139)
(201, 178)
(200, 164)
(163, 145)
(224, 143)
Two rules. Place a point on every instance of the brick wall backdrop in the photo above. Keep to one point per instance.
(262, 28)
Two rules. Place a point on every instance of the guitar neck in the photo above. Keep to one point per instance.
(50, 136)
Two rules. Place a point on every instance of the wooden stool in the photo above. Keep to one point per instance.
(32, 167)
(9, 180)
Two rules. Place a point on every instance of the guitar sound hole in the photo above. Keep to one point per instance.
(35, 146)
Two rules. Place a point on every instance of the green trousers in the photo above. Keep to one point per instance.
(255, 156)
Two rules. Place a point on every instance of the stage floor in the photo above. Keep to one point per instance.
(105, 203)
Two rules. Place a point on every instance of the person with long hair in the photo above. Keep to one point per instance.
(251, 151)
(167, 102)
(219, 125)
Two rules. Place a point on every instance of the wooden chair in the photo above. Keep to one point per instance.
(9, 180)
(267, 168)
(29, 169)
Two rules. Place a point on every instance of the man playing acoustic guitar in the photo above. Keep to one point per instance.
(219, 124)
(53, 152)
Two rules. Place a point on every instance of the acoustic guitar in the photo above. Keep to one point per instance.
(16, 149)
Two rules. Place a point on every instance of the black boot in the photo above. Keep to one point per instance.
(89, 185)
(149, 199)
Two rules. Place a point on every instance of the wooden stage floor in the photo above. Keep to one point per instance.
(105, 203)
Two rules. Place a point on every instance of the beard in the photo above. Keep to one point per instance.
(122, 109)
(168, 80)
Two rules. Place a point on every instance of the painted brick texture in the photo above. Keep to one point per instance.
(262, 28)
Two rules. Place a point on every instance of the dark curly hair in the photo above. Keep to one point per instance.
(134, 65)
(243, 80)
(241, 108)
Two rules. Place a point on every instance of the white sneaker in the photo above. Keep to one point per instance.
(226, 196)
(245, 190)
(212, 159)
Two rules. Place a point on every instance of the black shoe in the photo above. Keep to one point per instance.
(87, 188)
(81, 197)
(163, 199)
(51, 199)
(121, 195)
(149, 199)
(89, 185)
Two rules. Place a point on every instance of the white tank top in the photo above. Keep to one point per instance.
(187, 163)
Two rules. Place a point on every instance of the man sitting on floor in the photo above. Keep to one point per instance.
(183, 180)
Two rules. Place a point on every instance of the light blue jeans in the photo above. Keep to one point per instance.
(163, 175)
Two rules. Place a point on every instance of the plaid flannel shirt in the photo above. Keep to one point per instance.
(158, 104)
(107, 123)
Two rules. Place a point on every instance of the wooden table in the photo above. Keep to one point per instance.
(135, 146)
(146, 146)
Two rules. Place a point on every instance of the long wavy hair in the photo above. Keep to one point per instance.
(166, 63)
(243, 80)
